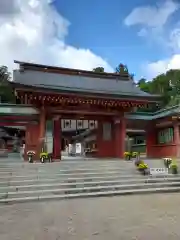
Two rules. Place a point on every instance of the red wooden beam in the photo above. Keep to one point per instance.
(38, 95)
(2, 124)
(22, 118)
(87, 113)
(82, 117)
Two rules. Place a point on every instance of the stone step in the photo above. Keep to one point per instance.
(67, 174)
(28, 182)
(75, 174)
(82, 183)
(63, 170)
(90, 195)
(93, 194)
(55, 179)
(73, 190)
(62, 165)
(55, 167)
(14, 199)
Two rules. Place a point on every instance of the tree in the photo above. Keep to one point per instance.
(167, 85)
(6, 91)
(98, 70)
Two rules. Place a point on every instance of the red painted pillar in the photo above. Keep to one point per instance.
(105, 143)
(119, 137)
(177, 139)
(57, 139)
(42, 131)
(35, 136)
(151, 136)
(31, 139)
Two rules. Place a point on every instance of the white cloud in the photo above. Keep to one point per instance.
(174, 39)
(155, 68)
(152, 21)
(152, 16)
(173, 62)
(32, 30)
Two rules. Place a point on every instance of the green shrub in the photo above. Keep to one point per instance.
(142, 166)
(174, 167)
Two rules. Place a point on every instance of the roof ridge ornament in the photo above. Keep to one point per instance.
(123, 68)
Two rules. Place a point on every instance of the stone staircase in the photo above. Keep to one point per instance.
(75, 178)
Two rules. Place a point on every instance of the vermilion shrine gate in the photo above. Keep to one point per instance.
(62, 93)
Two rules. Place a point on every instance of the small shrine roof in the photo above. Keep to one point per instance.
(84, 82)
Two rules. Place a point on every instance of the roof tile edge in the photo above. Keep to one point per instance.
(63, 70)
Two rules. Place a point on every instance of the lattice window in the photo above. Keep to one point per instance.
(91, 124)
(166, 136)
(80, 124)
(67, 123)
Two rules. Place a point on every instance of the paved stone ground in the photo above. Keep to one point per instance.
(144, 217)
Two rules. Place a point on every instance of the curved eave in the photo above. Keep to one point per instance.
(145, 97)
(175, 110)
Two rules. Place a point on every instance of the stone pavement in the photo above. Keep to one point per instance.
(144, 217)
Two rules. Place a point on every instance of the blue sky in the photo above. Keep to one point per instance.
(86, 34)
(100, 26)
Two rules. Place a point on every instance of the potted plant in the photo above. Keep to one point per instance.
(50, 157)
(174, 168)
(167, 162)
(138, 162)
(143, 168)
(44, 156)
(134, 154)
(127, 155)
(30, 155)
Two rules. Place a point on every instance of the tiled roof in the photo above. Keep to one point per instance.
(76, 83)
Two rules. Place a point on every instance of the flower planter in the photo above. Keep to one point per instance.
(127, 156)
(143, 168)
(138, 162)
(174, 170)
(146, 171)
(167, 162)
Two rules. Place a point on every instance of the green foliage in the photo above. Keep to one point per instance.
(142, 166)
(98, 70)
(174, 167)
(6, 91)
(168, 85)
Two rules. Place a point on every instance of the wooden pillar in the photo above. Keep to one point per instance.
(35, 136)
(57, 139)
(151, 136)
(31, 139)
(42, 130)
(120, 137)
(105, 143)
(177, 139)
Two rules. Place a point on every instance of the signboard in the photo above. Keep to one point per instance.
(158, 171)
(78, 148)
(70, 148)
